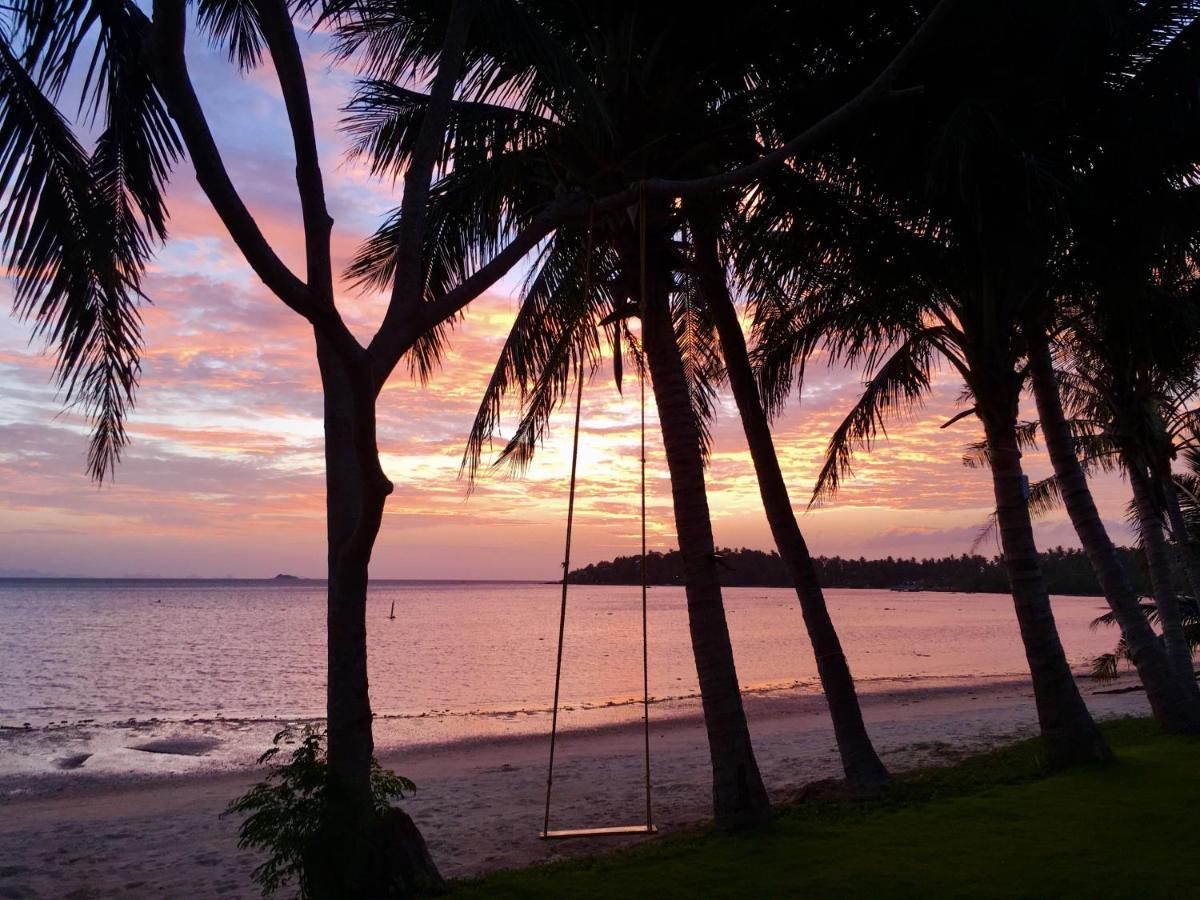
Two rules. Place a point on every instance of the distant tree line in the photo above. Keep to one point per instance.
(1067, 571)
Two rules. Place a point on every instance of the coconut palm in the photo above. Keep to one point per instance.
(1187, 483)
(1127, 191)
(1125, 359)
(860, 762)
(1107, 666)
(655, 115)
(1172, 700)
(628, 106)
(80, 224)
(925, 239)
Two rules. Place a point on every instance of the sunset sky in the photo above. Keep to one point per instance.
(224, 475)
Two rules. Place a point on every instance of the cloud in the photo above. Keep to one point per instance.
(225, 471)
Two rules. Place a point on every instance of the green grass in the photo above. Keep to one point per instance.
(991, 826)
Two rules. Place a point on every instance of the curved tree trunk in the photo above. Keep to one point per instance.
(1069, 734)
(739, 796)
(391, 852)
(860, 762)
(1174, 707)
(1158, 560)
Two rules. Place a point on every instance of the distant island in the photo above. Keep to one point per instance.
(1067, 571)
(285, 577)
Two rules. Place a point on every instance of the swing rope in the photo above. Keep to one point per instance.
(645, 582)
(562, 614)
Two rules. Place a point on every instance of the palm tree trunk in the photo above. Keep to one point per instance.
(860, 762)
(1069, 734)
(1171, 702)
(1158, 560)
(389, 852)
(739, 796)
(1187, 554)
(349, 707)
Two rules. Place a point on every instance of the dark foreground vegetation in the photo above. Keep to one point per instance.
(1067, 571)
(993, 825)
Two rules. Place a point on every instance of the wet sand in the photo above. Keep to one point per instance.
(480, 803)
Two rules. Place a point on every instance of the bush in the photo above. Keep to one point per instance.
(293, 815)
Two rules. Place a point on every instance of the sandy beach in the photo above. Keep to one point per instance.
(480, 803)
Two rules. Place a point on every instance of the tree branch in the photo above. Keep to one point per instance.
(280, 36)
(452, 302)
(396, 333)
(166, 45)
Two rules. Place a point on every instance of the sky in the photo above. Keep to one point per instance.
(224, 473)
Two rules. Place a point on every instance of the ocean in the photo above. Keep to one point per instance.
(146, 676)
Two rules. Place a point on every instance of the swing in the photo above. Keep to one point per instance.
(648, 827)
(612, 830)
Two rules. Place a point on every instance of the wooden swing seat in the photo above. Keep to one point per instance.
(611, 831)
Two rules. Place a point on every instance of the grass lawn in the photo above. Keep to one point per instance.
(991, 826)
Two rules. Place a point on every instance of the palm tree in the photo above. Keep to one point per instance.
(1169, 431)
(860, 762)
(927, 238)
(633, 105)
(1125, 360)
(1124, 196)
(1172, 702)
(1187, 483)
(604, 105)
(1107, 666)
(79, 227)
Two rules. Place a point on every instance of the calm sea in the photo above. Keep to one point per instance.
(116, 669)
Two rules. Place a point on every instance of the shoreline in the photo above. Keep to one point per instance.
(480, 801)
(70, 754)
(763, 703)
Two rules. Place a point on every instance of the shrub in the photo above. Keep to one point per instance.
(293, 816)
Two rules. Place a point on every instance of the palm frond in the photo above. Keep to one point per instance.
(473, 212)
(76, 254)
(897, 385)
(702, 366)
(1107, 666)
(554, 339)
(546, 394)
(383, 120)
(234, 26)
(1045, 496)
(51, 33)
(516, 56)
(976, 455)
(139, 145)
(825, 264)
(1149, 610)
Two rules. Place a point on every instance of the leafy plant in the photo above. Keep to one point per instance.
(293, 814)
(1107, 666)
